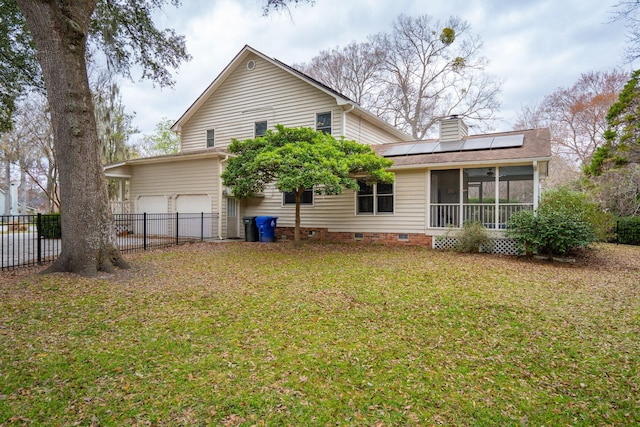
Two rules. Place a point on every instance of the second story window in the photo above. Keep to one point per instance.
(210, 138)
(323, 122)
(260, 129)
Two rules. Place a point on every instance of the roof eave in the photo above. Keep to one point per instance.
(499, 162)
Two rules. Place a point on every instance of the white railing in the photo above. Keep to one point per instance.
(445, 215)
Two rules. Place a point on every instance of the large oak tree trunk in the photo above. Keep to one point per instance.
(59, 30)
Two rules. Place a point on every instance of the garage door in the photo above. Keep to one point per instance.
(190, 208)
(193, 203)
(157, 221)
(152, 204)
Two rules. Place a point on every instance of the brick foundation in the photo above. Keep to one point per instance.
(322, 234)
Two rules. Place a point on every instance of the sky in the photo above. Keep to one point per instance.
(533, 46)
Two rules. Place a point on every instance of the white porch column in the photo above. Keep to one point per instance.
(536, 185)
(427, 204)
(496, 216)
(461, 198)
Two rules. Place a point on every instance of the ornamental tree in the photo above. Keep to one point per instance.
(295, 159)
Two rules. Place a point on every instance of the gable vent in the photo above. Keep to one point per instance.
(251, 65)
(453, 129)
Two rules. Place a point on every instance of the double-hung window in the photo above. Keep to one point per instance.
(211, 138)
(374, 199)
(323, 122)
(290, 199)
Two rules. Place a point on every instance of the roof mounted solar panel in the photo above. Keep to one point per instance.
(398, 150)
(508, 141)
(423, 148)
(451, 146)
(478, 144)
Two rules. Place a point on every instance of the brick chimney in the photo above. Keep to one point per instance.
(452, 129)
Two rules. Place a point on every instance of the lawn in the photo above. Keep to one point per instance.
(266, 334)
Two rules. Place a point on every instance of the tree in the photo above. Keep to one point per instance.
(30, 146)
(162, 141)
(295, 159)
(114, 125)
(578, 114)
(415, 75)
(19, 67)
(354, 70)
(615, 166)
(60, 32)
(627, 10)
(576, 118)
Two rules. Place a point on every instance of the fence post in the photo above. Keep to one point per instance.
(201, 226)
(617, 232)
(39, 237)
(177, 224)
(144, 231)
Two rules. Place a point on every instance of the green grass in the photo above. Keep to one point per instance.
(266, 334)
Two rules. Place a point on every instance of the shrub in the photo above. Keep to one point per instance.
(49, 226)
(566, 200)
(473, 238)
(628, 230)
(523, 228)
(565, 221)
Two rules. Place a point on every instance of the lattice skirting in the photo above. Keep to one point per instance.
(500, 246)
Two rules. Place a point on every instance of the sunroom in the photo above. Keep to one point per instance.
(479, 178)
(488, 195)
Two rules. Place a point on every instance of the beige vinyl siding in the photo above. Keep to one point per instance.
(264, 93)
(338, 213)
(171, 179)
(365, 132)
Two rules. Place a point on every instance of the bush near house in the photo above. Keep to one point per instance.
(473, 238)
(565, 221)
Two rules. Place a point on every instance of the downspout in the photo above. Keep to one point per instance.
(220, 195)
(344, 120)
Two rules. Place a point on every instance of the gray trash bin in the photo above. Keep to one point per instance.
(250, 229)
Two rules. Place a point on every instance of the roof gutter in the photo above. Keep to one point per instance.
(469, 163)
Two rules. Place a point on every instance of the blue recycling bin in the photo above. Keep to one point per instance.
(267, 227)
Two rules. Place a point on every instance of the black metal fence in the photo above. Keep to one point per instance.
(27, 240)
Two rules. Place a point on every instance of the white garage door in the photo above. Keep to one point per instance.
(193, 224)
(157, 222)
(193, 203)
(152, 204)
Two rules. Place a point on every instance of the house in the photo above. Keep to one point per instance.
(15, 207)
(439, 183)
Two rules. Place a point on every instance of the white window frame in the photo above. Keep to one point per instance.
(330, 113)
(213, 140)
